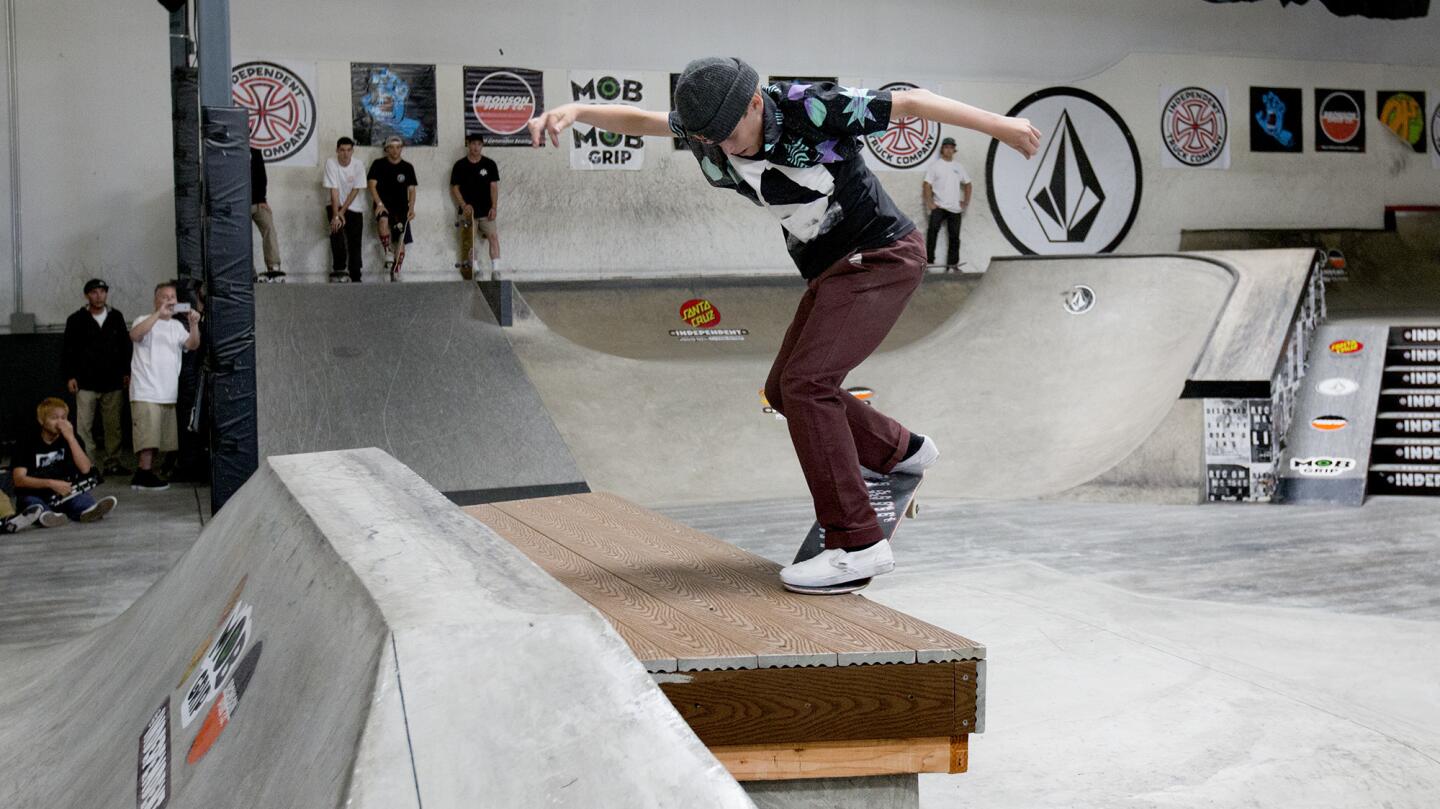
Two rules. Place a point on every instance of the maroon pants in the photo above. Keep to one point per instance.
(843, 316)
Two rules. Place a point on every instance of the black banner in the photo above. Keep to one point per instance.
(1403, 112)
(1277, 122)
(392, 99)
(1339, 120)
(499, 101)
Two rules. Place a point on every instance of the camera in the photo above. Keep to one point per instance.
(181, 308)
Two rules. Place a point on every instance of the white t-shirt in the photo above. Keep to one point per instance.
(945, 178)
(100, 318)
(155, 364)
(345, 178)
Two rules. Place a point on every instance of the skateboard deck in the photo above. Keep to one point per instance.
(893, 498)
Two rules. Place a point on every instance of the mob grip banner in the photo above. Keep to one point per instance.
(592, 148)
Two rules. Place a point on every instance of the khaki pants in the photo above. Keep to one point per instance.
(264, 220)
(153, 426)
(107, 454)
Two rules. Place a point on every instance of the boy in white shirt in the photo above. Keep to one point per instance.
(345, 208)
(155, 382)
(947, 196)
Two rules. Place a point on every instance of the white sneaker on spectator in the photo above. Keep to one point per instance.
(24, 519)
(99, 510)
(53, 519)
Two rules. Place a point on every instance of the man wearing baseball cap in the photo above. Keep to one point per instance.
(947, 195)
(795, 148)
(95, 361)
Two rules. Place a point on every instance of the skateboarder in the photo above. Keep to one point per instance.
(795, 148)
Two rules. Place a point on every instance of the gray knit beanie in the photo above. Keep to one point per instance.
(712, 94)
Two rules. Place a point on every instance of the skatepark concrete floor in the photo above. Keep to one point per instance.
(1139, 656)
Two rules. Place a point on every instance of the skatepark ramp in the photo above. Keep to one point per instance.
(1064, 376)
(341, 635)
(421, 371)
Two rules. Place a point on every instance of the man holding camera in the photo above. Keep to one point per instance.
(155, 380)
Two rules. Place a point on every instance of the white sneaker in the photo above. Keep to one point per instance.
(53, 519)
(22, 520)
(835, 566)
(99, 510)
(922, 459)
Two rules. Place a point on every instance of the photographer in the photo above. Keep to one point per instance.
(155, 380)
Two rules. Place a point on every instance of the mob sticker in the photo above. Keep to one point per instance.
(225, 707)
(1321, 467)
(218, 663)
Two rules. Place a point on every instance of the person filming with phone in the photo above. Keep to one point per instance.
(159, 340)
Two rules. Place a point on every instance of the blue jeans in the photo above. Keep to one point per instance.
(71, 508)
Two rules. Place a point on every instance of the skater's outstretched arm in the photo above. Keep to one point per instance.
(618, 118)
(1017, 133)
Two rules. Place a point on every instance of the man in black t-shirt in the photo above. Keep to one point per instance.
(475, 188)
(46, 465)
(796, 149)
(392, 190)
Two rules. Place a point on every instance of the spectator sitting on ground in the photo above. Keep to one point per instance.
(96, 363)
(46, 466)
(155, 382)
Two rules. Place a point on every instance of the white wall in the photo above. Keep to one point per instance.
(96, 147)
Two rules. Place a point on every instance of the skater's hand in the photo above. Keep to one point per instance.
(193, 316)
(264, 206)
(552, 122)
(61, 487)
(73, 386)
(336, 222)
(67, 430)
(1018, 134)
(491, 215)
(468, 211)
(410, 216)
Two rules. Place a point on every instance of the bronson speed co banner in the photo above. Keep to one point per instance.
(592, 148)
(280, 100)
(500, 101)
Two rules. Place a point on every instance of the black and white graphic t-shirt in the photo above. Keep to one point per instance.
(474, 180)
(391, 182)
(45, 459)
(810, 172)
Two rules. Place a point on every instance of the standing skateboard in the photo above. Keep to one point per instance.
(397, 243)
(471, 263)
(892, 497)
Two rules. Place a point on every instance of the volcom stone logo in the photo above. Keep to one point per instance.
(1083, 194)
(1079, 299)
(1065, 194)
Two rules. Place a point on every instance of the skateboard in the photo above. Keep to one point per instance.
(471, 263)
(397, 240)
(79, 486)
(892, 497)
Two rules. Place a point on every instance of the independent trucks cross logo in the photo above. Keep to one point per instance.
(281, 108)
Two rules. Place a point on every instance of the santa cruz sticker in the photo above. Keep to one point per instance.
(906, 142)
(1193, 126)
(700, 313)
(1082, 193)
(1346, 347)
(1337, 386)
(862, 393)
(280, 105)
(152, 778)
(1321, 467)
(1329, 424)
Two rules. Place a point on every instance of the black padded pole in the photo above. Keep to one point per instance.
(230, 302)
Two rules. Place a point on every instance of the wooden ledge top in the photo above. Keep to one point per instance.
(686, 601)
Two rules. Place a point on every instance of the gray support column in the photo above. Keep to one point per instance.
(20, 321)
(212, 29)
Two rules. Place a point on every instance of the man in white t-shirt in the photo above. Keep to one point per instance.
(947, 196)
(345, 208)
(155, 382)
